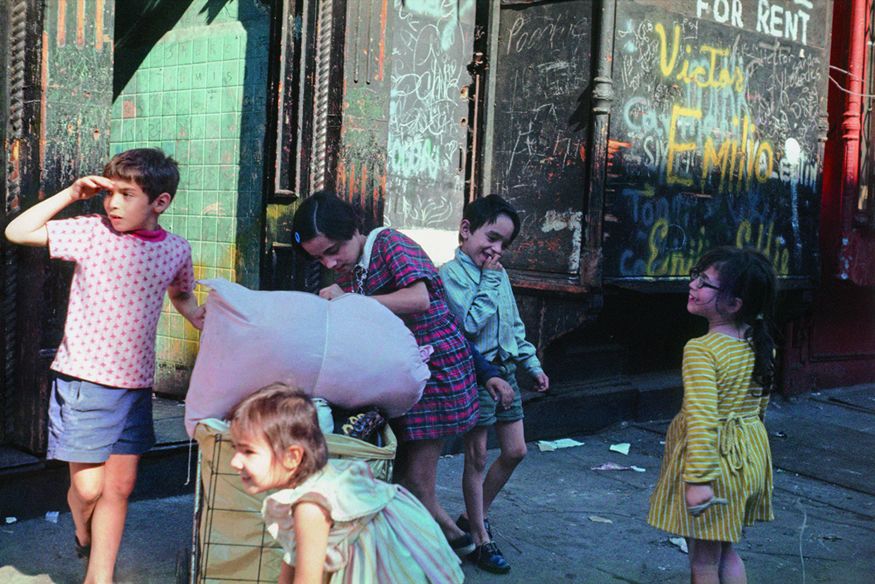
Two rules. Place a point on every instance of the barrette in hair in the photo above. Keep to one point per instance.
(297, 237)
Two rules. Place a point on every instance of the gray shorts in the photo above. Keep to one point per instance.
(89, 422)
(490, 410)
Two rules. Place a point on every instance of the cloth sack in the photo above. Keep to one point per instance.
(351, 351)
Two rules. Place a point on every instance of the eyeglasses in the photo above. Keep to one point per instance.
(697, 278)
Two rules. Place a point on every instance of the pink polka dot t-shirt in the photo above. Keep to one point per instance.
(115, 298)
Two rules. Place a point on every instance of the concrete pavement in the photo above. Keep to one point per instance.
(560, 521)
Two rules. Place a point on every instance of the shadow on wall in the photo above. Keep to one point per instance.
(140, 24)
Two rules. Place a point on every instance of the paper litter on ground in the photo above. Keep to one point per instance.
(680, 542)
(622, 448)
(52, 516)
(11, 520)
(615, 466)
(551, 445)
(610, 466)
(598, 519)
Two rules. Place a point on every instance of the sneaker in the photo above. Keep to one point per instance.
(465, 525)
(489, 558)
(463, 545)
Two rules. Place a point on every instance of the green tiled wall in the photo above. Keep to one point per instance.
(199, 95)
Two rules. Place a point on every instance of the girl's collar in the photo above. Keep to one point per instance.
(151, 235)
(737, 335)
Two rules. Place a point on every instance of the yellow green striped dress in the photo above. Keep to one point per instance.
(717, 437)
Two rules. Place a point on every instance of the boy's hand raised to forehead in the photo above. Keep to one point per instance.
(29, 228)
(89, 186)
(492, 263)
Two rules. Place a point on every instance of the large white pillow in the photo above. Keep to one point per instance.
(351, 351)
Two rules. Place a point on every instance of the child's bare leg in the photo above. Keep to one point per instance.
(420, 476)
(472, 482)
(512, 441)
(731, 566)
(86, 485)
(108, 521)
(704, 561)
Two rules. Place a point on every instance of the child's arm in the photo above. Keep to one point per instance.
(702, 460)
(527, 354)
(411, 299)
(287, 574)
(700, 408)
(312, 524)
(29, 228)
(500, 390)
(489, 377)
(472, 306)
(186, 304)
(764, 404)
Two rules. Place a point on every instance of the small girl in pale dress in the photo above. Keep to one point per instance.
(335, 522)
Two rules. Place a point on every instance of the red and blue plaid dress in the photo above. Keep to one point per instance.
(449, 405)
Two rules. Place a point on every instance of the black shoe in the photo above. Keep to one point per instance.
(462, 545)
(83, 551)
(465, 525)
(489, 558)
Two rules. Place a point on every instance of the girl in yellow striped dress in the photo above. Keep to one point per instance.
(716, 473)
(335, 522)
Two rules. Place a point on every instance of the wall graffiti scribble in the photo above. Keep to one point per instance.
(428, 71)
(714, 140)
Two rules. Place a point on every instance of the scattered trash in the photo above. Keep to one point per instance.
(615, 466)
(679, 542)
(551, 445)
(11, 520)
(52, 516)
(611, 466)
(622, 448)
(779, 434)
(830, 537)
(599, 519)
(662, 442)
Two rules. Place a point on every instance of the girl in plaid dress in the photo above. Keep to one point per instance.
(396, 272)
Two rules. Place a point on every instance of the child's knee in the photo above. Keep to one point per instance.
(705, 555)
(515, 453)
(86, 493)
(475, 450)
(119, 486)
(120, 489)
(475, 459)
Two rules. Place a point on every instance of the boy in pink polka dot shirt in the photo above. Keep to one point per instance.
(100, 411)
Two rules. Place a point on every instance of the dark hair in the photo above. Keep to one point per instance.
(486, 210)
(285, 417)
(324, 213)
(150, 168)
(748, 275)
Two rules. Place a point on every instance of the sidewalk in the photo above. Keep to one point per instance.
(559, 521)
